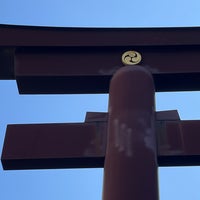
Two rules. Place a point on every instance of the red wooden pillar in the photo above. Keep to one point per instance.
(130, 170)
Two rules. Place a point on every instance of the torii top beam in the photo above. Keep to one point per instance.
(82, 60)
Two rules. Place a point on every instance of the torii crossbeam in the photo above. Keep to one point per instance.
(83, 60)
(79, 145)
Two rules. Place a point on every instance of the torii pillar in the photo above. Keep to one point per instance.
(130, 169)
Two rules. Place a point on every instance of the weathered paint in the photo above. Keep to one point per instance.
(130, 168)
(170, 140)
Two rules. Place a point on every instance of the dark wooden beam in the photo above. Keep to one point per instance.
(51, 60)
(35, 36)
(178, 143)
(80, 145)
(51, 146)
(89, 69)
(7, 63)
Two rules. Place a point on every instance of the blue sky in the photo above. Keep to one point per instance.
(86, 184)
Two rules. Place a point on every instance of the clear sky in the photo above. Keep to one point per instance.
(86, 184)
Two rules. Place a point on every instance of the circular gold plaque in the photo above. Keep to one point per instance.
(131, 58)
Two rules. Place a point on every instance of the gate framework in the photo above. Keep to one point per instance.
(83, 60)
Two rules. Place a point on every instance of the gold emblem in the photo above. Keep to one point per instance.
(131, 58)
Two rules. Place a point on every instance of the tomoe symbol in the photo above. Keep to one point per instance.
(131, 58)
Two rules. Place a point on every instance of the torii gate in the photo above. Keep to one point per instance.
(132, 139)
